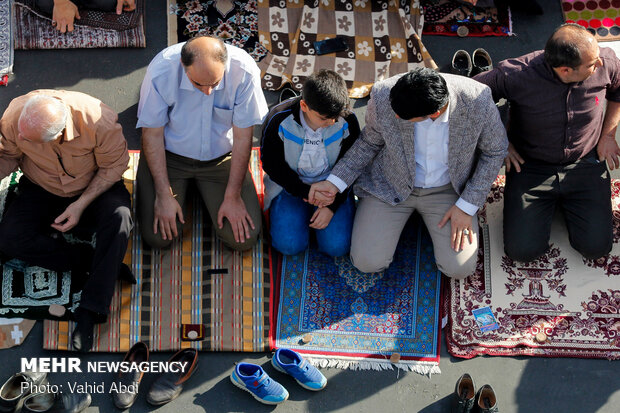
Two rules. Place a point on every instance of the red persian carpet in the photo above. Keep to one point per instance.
(560, 305)
(453, 18)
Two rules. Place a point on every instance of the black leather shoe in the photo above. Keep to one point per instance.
(482, 61)
(11, 391)
(56, 403)
(125, 274)
(125, 389)
(465, 392)
(168, 386)
(486, 402)
(461, 63)
(82, 337)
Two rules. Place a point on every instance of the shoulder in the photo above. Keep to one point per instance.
(525, 65)
(381, 89)
(240, 60)
(166, 62)
(280, 112)
(466, 89)
(610, 60)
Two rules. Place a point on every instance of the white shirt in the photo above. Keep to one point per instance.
(313, 165)
(431, 158)
(198, 126)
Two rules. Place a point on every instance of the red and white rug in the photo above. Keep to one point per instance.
(573, 302)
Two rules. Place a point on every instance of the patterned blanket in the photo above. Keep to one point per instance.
(383, 39)
(600, 17)
(559, 305)
(235, 22)
(197, 293)
(33, 30)
(339, 317)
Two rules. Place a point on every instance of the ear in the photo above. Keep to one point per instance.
(564, 70)
(304, 106)
(435, 115)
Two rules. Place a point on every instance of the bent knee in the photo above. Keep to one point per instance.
(456, 269)
(594, 250)
(364, 263)
(154, 240)
(525, 253)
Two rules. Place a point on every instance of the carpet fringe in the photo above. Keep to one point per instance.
(420, 367)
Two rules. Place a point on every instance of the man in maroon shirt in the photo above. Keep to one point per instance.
(561, 133)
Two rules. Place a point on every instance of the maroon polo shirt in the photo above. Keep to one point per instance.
(552, 121)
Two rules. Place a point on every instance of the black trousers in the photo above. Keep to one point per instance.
(25, 233)
(47, 6)
(581, 190)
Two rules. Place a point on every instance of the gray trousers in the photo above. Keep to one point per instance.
(211, 179)
(377, 228)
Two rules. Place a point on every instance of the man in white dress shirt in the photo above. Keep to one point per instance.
(198, 104)
(432, 143)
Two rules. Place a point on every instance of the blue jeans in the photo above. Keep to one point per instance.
(290, 231)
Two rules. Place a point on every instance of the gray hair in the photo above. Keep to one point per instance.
(45, 113)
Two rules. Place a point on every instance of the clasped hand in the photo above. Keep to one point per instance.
(322, 194)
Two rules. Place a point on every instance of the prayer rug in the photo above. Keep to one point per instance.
(383, 39)
(560, 305)
(6, 39)
(29, 291)
(95, 29)
(13, 331)
(235, 22)
(337, 316)
(452, 18)
(197, 293)
(600, 17)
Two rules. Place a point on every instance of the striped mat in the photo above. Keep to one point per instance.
(196, 294)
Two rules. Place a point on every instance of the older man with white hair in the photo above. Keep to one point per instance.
(72, 152)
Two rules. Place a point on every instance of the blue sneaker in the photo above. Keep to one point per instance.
(290, 362)
(253, 379)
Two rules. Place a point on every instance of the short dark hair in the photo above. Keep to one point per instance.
(190, 53)
(565, 51)
(420, 92)
(326, 92)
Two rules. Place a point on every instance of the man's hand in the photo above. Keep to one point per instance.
(513, 159)
(322, 193)
(63, 15)
(166, 210)
(125, 5)
(321, 218)
(608, 150)
(459, 221)
(233, 209)
(69, 218)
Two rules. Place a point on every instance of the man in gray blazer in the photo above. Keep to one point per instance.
(432, 143)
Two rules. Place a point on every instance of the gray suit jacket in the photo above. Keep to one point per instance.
(382, 160)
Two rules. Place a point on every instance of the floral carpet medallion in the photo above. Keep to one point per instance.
(557, 305)
(235, 22)
(359, 320)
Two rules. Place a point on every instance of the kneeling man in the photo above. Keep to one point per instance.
(432, 143)
(72, 152)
